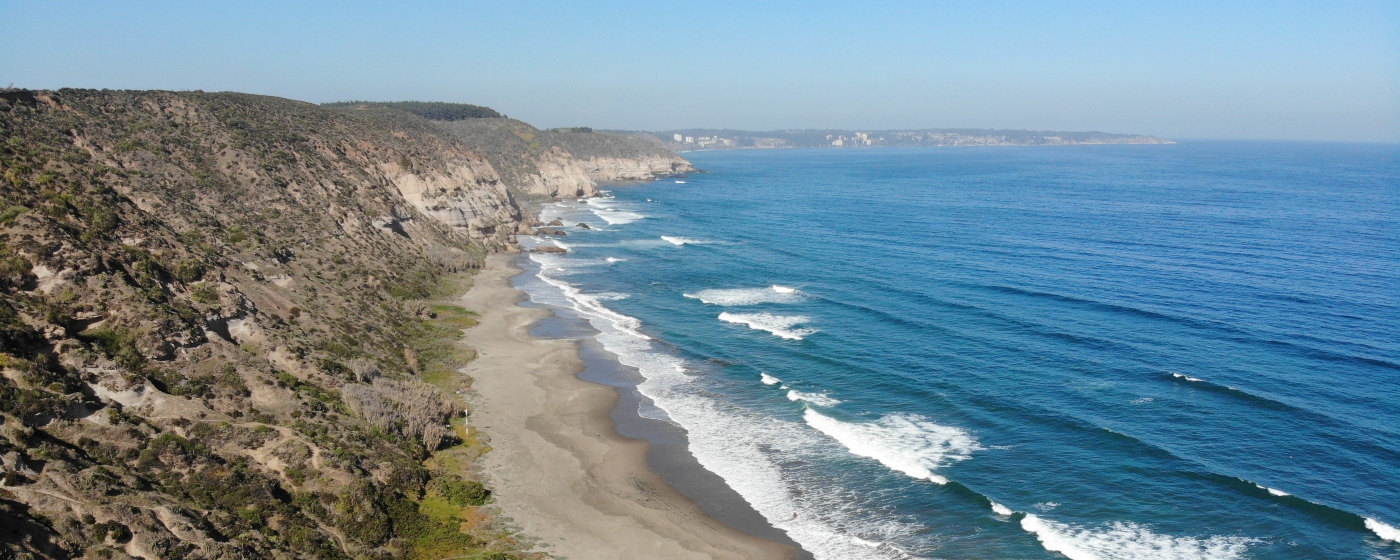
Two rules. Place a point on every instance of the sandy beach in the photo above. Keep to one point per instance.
(558, 467)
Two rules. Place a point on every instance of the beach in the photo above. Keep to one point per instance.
(557, 466)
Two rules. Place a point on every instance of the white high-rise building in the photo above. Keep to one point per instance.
(689, 139)
(679, 138)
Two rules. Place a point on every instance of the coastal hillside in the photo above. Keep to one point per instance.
(218, 330)
(721, 139)
(564, 161)
(620, 156)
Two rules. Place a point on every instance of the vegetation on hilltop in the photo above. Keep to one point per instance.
(432, 110)
(218, 336)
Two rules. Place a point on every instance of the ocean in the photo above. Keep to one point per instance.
(1187, 351)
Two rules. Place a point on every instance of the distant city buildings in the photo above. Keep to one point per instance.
(860, 139)
(679, 138)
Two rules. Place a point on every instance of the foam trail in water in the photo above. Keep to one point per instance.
(779, 325)
(678, 241)
(615, 216)
(1129, 541)
(768, 379)
(1188, 378)
(819, 399)
(1382, 530)
(748, 296)
(904, 442)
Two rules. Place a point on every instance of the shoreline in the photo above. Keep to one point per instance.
(560, 470)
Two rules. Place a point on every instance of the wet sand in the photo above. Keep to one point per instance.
(559, 469)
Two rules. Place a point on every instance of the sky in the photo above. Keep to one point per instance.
(1179, 69)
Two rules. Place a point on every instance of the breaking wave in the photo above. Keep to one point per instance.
(615, 216)
(768, 379)
(779, 325)
(819, 399)
(1129, 541)
(748, 296)
(736, 444)
(679, 241)
(903, 442)
(1382, 530)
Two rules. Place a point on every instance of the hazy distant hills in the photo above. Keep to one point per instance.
(711, 139)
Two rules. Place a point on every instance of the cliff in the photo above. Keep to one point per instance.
(612, 157)
(527, 158)
(217, 335)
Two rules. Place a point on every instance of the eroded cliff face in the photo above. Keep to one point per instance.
(559, 175)
(613, 157)
(467, 195)
(565, 163)
(641, 168)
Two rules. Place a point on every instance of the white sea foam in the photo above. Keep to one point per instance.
(1272, 491)
(616, 216)
(1001, 509)
(742, 447)
(904, 442)
(819, 399)
(768, 379)
(1142, 400)
(679, 241)
(614, 259)
(1124, 541)
(1046, 506)
(1187, 377)
(1382, 530)
(748, 296)
(779, 325)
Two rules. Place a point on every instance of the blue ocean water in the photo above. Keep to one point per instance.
(1180, 352)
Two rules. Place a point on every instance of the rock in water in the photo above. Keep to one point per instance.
(582, 225)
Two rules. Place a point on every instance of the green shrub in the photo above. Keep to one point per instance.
(118, 344)
(8, 216)
(189, 270)
(461, 492)
(204, 293)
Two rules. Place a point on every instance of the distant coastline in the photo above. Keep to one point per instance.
(689, 140)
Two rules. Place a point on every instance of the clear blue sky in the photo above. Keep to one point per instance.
(1285, 70)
